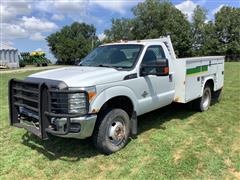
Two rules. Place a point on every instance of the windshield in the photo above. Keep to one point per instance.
(120, 56)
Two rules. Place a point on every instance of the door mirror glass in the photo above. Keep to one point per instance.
(158, 68)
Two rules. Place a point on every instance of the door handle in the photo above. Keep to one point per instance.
(170, 77)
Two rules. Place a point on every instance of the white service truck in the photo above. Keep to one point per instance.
(111, 87)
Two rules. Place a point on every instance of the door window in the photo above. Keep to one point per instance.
(154, 56)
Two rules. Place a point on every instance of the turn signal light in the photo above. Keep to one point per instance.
(91, 95)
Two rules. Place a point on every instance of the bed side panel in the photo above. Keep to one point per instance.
(220, 74)
(198, 71)
(180, 76)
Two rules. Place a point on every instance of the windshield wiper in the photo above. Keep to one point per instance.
(104, 65)
(115, 67)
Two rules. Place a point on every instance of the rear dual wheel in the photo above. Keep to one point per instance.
(204, 102)
(217, 96)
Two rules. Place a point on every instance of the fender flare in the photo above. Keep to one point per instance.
(110, 93)
(205, 81)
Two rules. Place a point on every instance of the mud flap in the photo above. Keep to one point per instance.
(134, 125)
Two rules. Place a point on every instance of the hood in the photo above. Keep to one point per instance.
(82, 76)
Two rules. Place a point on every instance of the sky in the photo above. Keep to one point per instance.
(26, 23)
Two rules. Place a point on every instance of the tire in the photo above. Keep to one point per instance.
(112, 131)
(203, 103)
(217, 95)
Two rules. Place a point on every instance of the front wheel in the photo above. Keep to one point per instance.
(203, 103)
(112, 131)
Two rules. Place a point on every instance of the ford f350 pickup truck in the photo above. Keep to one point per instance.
(111, 87)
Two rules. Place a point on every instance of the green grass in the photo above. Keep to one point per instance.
(173, 143)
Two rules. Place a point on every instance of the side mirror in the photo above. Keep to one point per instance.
(157, 68)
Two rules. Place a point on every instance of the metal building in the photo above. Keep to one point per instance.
(8, 56)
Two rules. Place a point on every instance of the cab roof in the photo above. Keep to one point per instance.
(136, 42)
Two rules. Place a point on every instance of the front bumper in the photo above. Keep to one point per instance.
(30, 108)
(87, 124)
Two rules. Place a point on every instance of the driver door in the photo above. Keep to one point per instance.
(158, 90)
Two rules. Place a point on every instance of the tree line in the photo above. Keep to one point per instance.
(152, 19)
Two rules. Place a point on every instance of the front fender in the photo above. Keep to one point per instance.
(110, 93)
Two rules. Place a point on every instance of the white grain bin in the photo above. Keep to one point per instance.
(8, 56)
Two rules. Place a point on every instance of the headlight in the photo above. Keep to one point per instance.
(78, 101)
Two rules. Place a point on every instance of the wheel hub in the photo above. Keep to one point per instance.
(116, 132)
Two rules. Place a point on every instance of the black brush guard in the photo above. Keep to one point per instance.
(36, 97)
